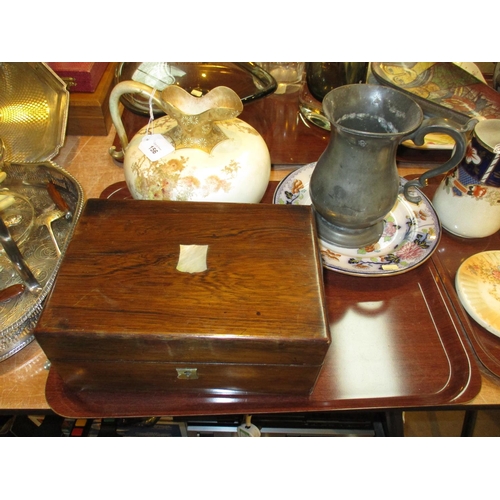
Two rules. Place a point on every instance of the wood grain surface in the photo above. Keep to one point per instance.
(260, 302)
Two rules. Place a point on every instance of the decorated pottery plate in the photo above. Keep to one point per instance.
(443, 141)
(478, 287)
(452, 90)
(411, 233)
(433, 141)
(443, 89)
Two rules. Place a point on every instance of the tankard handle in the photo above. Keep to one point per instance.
(127, 87)
(439, 126)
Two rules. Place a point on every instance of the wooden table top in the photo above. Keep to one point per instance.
(23, 377)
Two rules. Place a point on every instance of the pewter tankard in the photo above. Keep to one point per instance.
(355, 183)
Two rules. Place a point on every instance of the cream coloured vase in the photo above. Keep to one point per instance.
(199, 151)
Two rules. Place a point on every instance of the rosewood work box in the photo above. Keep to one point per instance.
(189, 296)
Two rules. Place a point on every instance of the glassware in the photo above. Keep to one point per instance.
(288, 75)
(321, 78)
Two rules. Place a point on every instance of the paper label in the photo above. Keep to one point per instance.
(155, 146)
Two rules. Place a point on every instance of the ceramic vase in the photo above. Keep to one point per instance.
(199, 151)
(468, 198)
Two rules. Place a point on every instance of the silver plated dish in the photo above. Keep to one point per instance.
(33, 112)
(19, 315)
(34, 106)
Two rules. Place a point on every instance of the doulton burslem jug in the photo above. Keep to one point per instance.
(355, 183)
(467, 200)
(199, 151)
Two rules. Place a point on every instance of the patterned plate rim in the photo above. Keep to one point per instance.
(360, 271)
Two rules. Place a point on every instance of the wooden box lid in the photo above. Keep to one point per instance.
(119, 295)
(80, 76)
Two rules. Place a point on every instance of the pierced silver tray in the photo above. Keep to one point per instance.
(19, 315)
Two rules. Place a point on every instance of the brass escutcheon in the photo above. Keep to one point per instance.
(187, 373)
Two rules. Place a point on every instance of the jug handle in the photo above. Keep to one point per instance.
(127, 87)
(441, 126)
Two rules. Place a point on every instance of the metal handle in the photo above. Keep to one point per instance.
(57, 198)
(16, 257)
(11, 291)
(442, 126)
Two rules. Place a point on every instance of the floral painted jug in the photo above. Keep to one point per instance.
(199, 151)
(468, 198)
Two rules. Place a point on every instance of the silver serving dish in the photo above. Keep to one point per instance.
(33, 115)
(20, 314)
